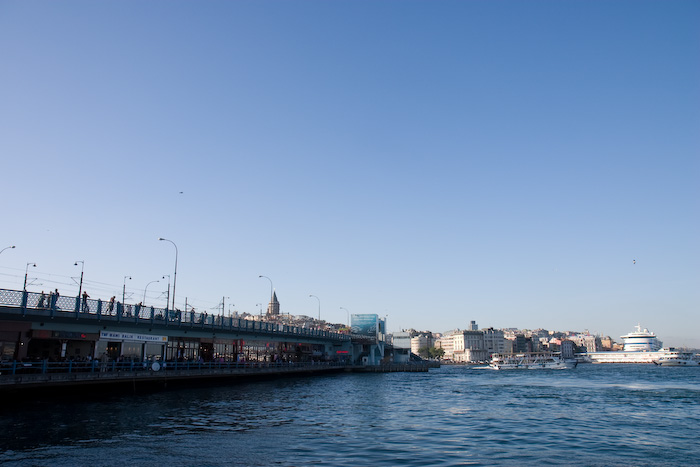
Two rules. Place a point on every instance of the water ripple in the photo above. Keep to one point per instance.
(594, 415)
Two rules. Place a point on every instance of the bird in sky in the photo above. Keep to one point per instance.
(634, 261)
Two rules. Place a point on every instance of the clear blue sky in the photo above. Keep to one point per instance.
(437, 162)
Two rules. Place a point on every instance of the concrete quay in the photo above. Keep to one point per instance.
(124, 380)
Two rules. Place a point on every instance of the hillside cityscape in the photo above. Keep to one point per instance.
(471, 345)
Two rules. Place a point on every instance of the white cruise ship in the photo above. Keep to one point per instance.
(641, 346)
(640, 341)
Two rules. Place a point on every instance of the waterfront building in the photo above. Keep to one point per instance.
(446, 344)
(522, 344)
(494, 341)
(553, 344)
(402, 340)
(508, 346)
(468, 346)
(567, 349)
(587, 341)
(402, 346)
(606, 343)
(420, 341)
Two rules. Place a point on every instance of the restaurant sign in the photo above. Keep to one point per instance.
(128, 336)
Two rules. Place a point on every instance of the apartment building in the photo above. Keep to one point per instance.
(494, 341)
(421, 341)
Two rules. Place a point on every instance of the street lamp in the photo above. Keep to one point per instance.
(82, 268)
(348, 314)
(319, 306)
(144, 292)
(124, 289)
(167, 300)
(26, 272)
(7, 248)
(271, 293)
(223, 306)
(175, 275)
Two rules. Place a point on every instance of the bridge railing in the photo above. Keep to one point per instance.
(96, 366)
(52, 305)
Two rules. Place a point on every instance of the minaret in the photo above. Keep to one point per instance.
(273, 309)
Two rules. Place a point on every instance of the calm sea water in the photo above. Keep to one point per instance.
(593, 415)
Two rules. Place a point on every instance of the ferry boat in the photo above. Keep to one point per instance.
(675, 357)
(531, 361)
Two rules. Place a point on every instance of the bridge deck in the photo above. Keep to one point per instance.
(34, 305)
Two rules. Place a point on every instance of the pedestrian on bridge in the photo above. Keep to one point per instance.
(86, 308)
(53, 299)
(42, 299)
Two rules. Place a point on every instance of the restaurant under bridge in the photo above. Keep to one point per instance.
(51, 329)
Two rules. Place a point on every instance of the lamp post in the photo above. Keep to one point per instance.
(80, 288)
(144, 292)
(124, 289)
(319, 306)
(26, 272)
(24, 293)
(348, 312)
(167, 299)
(271, 293)
(82, 269)
(7, 248)
(175, 275)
